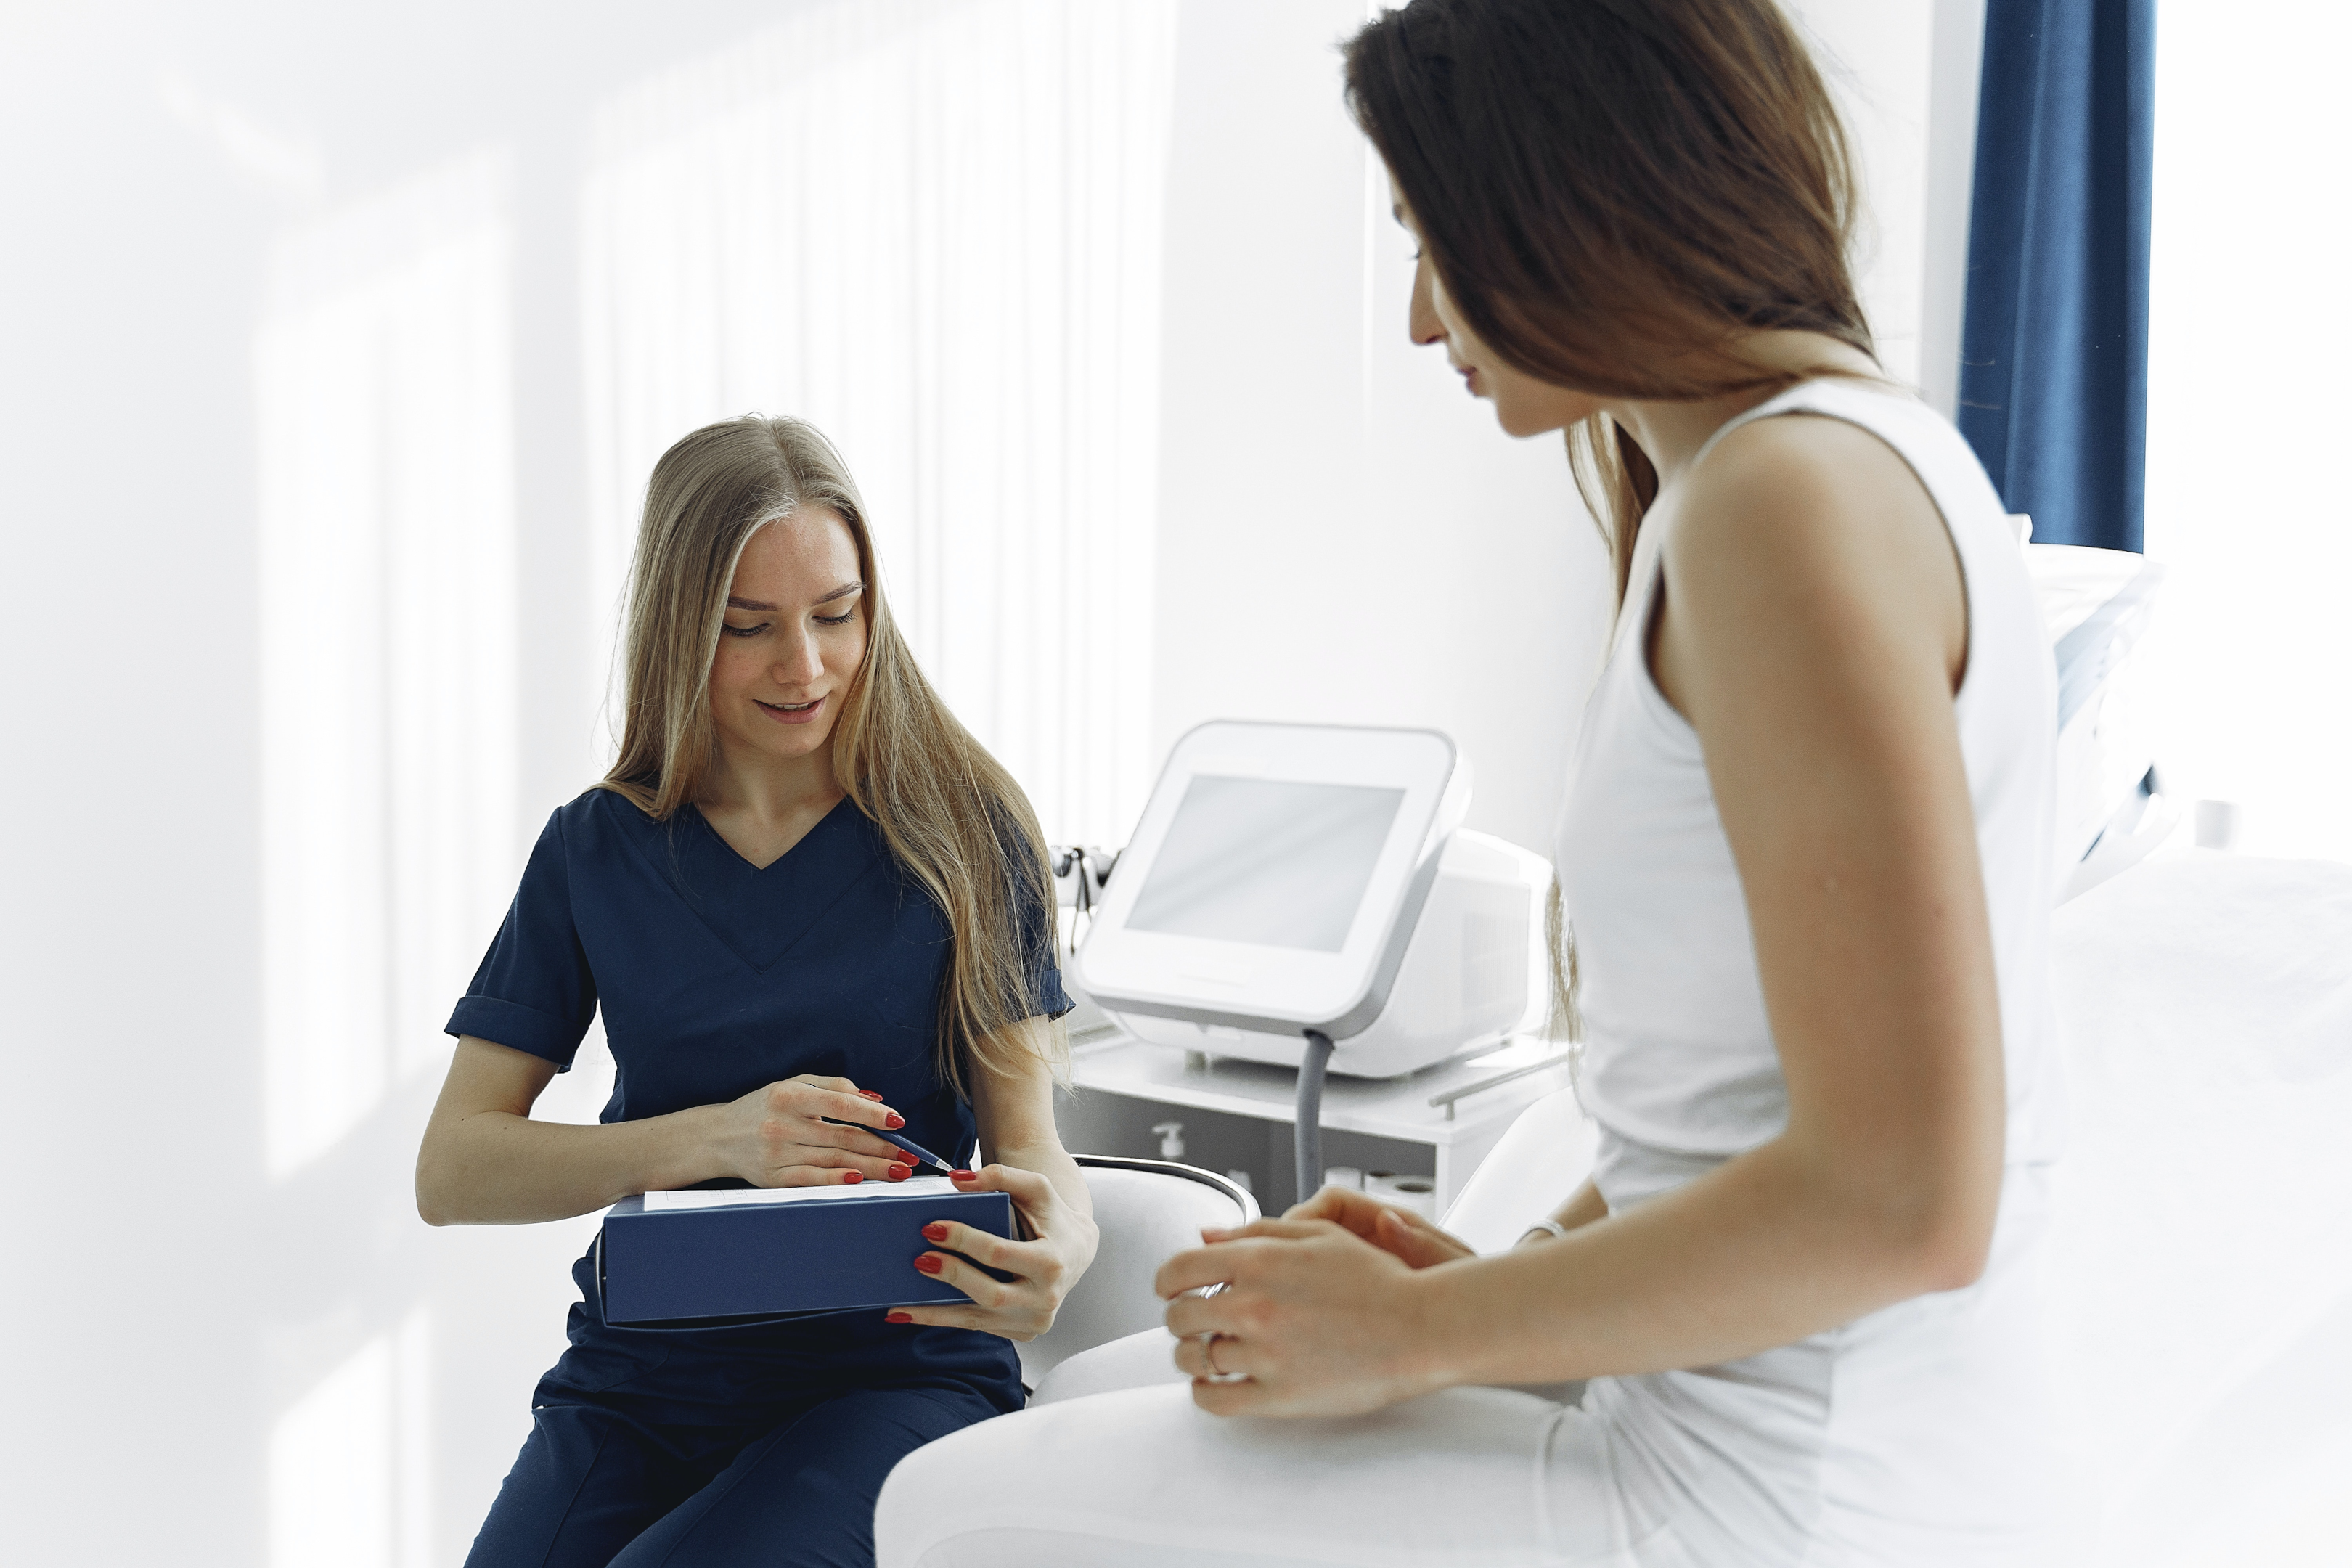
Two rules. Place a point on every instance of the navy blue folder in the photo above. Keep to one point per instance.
(757, 1261)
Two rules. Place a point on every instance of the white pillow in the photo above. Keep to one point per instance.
(2095, 605)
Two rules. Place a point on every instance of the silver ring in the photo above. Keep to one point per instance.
(1209, 1355)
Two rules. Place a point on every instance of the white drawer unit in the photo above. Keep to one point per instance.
(1438, 1123)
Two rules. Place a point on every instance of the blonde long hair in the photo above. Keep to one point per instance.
(954, 819)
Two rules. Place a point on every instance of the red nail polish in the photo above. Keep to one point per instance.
(900, 1173)
(851, 1179)
(963, 1175)
(935, 1231)
(897, 1317)
(894, 1121)
(868, 1094)
(930, 1264)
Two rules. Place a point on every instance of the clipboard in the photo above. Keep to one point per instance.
(707, 1258)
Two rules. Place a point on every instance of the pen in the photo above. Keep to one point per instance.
(908, 1144)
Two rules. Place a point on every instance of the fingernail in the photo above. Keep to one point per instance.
(851, 1178)
(963, 1175)
(900, 1173)
(930, 1264)
(868, 1094)
(894, 1121)
(897, 1317)
(935, 1231)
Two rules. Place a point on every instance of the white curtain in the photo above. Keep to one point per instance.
(932, 227)
(384, 399)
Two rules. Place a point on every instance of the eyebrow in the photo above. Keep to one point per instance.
(841, 592)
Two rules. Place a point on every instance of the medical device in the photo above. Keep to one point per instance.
(1305, 895)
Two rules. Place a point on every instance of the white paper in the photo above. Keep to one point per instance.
(725, 1197)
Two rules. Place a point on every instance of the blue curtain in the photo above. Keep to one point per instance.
(2054, 346)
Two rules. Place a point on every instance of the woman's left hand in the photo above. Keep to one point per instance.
(1044, 1268)
(1314, 1319)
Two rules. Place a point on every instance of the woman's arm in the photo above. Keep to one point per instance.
(485, 1162)
(1815, 637)
(1026, 1158)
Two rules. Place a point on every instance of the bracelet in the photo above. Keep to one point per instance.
(1552, 1226)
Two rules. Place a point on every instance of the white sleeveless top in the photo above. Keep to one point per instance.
(1679, 1054)
(1921, 1434)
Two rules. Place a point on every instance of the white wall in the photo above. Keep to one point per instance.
(1954, 62)
(1905, 73)
(1875, 55)
(1344, 536)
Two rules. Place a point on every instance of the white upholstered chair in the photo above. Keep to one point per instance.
(1148, 1211)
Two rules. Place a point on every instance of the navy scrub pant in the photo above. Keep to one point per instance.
(597, 1489)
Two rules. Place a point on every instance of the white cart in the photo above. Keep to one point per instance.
(1438, 1123)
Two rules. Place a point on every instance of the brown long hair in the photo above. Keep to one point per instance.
(1614, 193)
(952, 815)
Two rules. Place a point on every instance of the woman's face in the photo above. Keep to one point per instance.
(795, 638)
(1523, 406)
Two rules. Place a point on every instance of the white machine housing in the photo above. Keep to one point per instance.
(1442, 947)
(1473, 972)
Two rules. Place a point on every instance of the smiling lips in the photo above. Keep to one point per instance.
(791, 712)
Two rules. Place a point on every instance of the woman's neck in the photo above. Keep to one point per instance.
(769, 790)
(1672, 434)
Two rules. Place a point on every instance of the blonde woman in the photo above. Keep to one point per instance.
(804, 895)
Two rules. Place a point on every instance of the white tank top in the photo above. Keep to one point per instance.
(1679, 1054)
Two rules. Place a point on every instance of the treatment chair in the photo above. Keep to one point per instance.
(1147, 1214)
(1148, 1211)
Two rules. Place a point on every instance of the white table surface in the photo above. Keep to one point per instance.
(1118, 1063)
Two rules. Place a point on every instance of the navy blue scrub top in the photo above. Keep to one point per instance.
(717, 977)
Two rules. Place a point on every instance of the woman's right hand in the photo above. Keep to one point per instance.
(1398, 1232)
(778, 1137)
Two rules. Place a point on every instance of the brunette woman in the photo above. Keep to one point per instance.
(805, 896)
(1806, 861)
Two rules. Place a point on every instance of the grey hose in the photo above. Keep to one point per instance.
(1307, 1124)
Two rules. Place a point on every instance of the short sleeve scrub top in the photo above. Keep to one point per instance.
(717, 977)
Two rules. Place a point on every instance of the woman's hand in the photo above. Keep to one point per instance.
(1043, 1268)
(1398, 1232)
(778, 1137)
(1314, 1318)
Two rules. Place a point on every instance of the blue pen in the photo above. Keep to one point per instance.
(908, 1144)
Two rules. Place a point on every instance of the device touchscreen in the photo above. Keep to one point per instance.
(1265, 862)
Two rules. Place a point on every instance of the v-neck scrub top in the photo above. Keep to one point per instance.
(717, 977)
